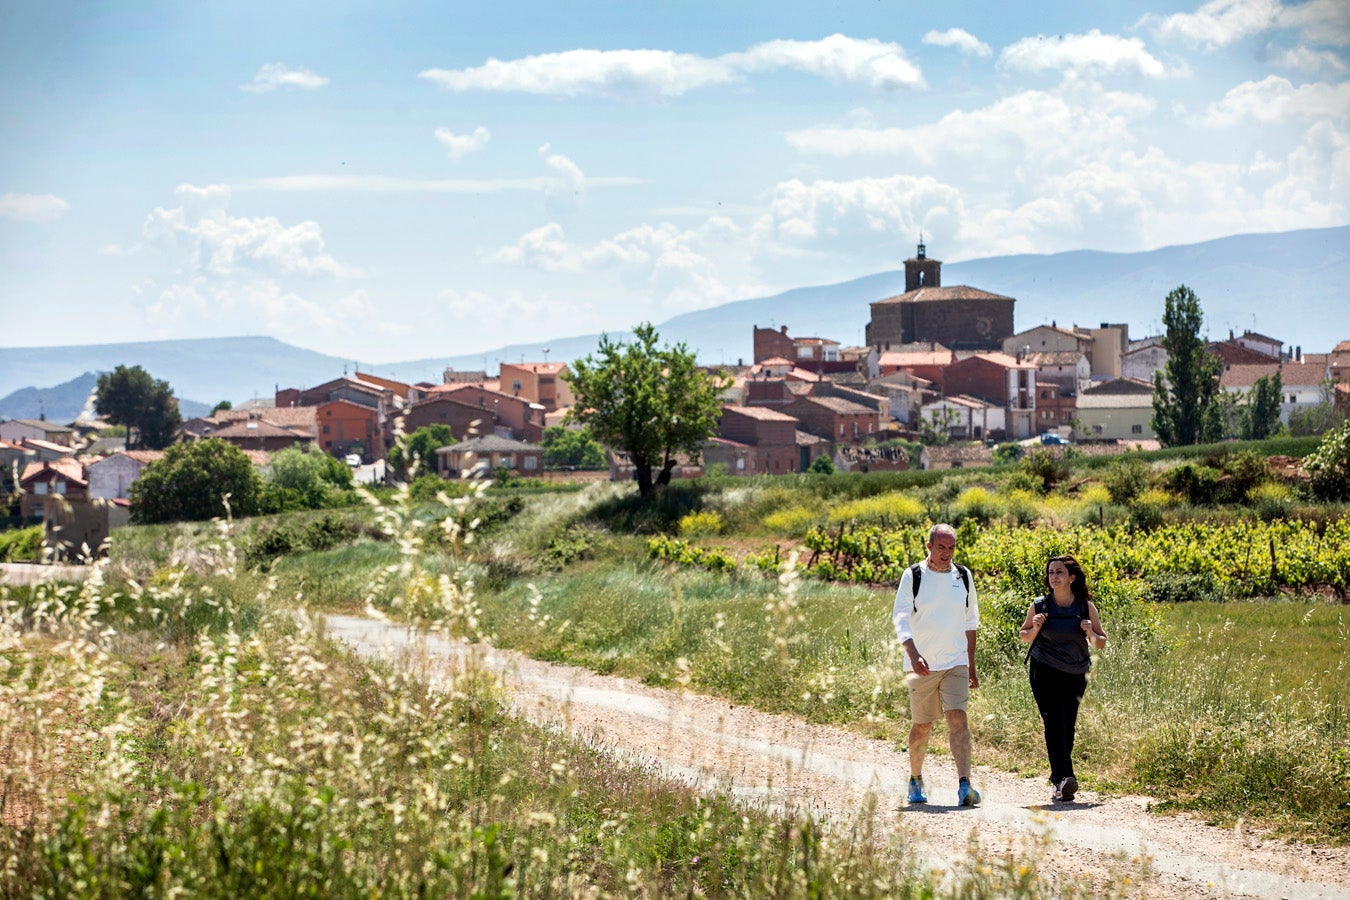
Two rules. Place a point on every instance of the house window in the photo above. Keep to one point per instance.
(40, 487)
(325, 429)
(841, 429)
(59, 487)
(1096, 429)
(1136, 429)
(531, 463)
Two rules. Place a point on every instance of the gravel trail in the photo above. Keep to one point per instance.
(788, 762)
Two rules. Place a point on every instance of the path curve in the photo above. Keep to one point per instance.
(829, 772)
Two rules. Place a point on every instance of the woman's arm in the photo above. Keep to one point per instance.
(1031, 626)
(1096, 635)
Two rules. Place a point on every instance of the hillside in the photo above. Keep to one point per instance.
(1291, 286)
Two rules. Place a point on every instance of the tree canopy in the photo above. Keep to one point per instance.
(304, 477)
(1262, 417)
(190, 483)
(576, 448)
(421, 445)
(146, 406)
(649, 402)
(1184, 407)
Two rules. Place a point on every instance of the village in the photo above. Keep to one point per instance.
(942, 381)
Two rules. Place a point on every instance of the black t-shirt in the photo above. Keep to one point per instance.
(1061, 643)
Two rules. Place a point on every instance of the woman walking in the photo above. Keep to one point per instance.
(1060, 627)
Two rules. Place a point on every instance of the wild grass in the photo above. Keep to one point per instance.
(196, 734)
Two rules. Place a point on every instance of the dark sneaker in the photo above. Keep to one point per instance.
(916, 792)
(1067, 788)
(966, 795)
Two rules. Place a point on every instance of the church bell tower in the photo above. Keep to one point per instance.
(922, 272)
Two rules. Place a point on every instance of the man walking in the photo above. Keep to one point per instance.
(936, 617)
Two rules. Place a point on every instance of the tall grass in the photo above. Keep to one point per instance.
(196, 734)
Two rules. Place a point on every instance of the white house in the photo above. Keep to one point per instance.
(963, 417)
(1121, 409)
(1141, 361)
(112, 476)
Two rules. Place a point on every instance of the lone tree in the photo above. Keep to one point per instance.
(190, 482)
(130, 397)
(1184, 407)
(647, 401)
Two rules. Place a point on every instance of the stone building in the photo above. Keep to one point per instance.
(960, 317)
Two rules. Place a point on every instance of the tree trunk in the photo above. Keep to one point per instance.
(642, 471)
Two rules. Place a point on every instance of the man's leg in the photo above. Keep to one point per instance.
(958, 738)
(918, 747)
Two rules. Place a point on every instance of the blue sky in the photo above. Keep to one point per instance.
(402, 180)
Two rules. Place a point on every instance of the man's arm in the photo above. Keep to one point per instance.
(970, 659)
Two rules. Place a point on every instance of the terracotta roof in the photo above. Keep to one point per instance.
(68, 469)
(839, 405)
(1264, 338)
(38, 444)
(285, 416)
(1237, 355)
(774, 361)
(806, 439)
(1342, 347)
(539, 368)
(259, 428)
(1055, 358)
(144, 457)
(1003, 359)
(1058, 329)
(939, 294)
(915, 358)
(1291, 374)
(761, 413)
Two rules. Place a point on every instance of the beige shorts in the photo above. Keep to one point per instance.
(937, 692)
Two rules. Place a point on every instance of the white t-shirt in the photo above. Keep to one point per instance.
(937, 619)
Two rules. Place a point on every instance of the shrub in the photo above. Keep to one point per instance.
(1048, 467)
(822, 465)
(703, 523)
(1147, 512)
(978, 504)
(189, 484)
(891, 508)
(1329, 466)
(1181, 587)
(1271, 500)
(1198, 484)
(1126, 479)
(21, 545)
(1022, 507)
(1008, 453)
(791, 521)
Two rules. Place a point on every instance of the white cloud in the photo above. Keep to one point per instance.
(857, 219)
(838, 58)
(460, 145)
(1032, 131)
(567, 191)
(32, 207)
(959, 38)
(1305, 59)
(573, 73)
(1089, 54)
(1320, 21)
(1217, 23)
(1276, 99)
(664, 73)
(664, 265)
(275, 75)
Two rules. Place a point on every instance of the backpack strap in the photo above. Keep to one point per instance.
(916, 576)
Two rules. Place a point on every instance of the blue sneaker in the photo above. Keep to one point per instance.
(966, 795)
(916, 794)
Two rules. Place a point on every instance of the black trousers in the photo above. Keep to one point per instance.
(1057, 696)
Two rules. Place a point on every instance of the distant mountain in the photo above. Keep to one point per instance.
(1293, 286)
(64, 403)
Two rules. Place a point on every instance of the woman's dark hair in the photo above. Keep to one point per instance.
(1079, 584)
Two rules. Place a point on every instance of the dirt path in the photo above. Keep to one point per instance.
(829, 772)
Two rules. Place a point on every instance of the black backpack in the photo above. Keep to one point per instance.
(916, 575)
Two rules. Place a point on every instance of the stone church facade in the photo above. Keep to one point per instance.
(960, 317)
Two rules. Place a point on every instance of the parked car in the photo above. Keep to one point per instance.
(1051, 438)
(353, 459)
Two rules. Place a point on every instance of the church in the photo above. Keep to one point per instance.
(959, 318)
